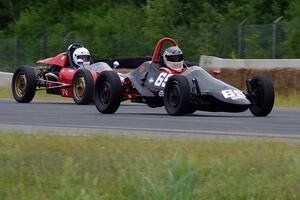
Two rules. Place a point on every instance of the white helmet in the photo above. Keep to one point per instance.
(173, 58)
(81, 57)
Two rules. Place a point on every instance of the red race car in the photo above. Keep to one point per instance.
(58, 76)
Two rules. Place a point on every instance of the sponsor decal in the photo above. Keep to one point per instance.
(233, 94)
(161, 93)
(151, 80)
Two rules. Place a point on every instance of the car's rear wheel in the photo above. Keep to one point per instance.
(24, 84)
(108, 92)
(177, 96)
(83, 87)
(262, 95)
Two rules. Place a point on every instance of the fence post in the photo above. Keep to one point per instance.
(43, 46)
(274, 36)
(240, 38)
(66, 38)
(17, 53)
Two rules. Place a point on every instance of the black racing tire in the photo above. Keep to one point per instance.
(108, 92)
(83, 87)
(262, 96)
(154, 102)
(177, 96)
(191, 109)
(23, 84)
(151, 105)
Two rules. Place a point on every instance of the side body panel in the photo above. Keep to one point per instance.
(207, 92)
(66, 76)
(211, 94)
(59, 60)
(209, 85)
(143, 79)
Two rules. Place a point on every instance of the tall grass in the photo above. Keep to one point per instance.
(118, 167)
(285, 80)
(291, 100)
(175, 179)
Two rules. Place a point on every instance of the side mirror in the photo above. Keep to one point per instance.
(116, 64)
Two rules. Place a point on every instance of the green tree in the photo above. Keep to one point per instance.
(291, 45)
(121, 28)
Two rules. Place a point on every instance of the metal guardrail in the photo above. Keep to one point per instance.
(5, 78)
(215, 62)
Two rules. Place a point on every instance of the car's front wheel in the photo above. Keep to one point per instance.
(24, 84)
(108, 92)
(262, 95)
(177, 96)
(82, 87)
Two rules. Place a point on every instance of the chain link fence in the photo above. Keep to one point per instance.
(16, 52)
(245, 41)
(268, 41)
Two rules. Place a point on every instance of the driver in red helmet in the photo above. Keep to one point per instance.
(172, 61)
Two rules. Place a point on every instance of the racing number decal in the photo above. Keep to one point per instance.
(64, 92)
(162, 79)
(233, 94)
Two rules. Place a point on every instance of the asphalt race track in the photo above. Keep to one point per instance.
(65, 116)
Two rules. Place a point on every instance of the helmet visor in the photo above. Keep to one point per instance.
(85, 58)
(175, 58)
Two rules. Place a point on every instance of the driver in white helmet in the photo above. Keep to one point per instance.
(172, 61)
(81, 58)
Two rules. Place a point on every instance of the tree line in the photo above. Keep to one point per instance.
(122, 28)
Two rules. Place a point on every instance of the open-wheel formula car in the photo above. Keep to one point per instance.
(58, 77)
(180, 94)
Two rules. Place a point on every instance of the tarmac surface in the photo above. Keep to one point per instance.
(67, 117)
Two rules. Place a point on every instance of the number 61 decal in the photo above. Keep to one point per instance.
(162, 79)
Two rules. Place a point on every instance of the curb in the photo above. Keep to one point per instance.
(5, 78)
(211, 62)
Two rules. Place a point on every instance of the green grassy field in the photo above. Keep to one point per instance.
(289, 101)
(123, 167)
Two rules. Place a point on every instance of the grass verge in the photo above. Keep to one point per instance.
(5, 92)
(116, 167)
(289, 100)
